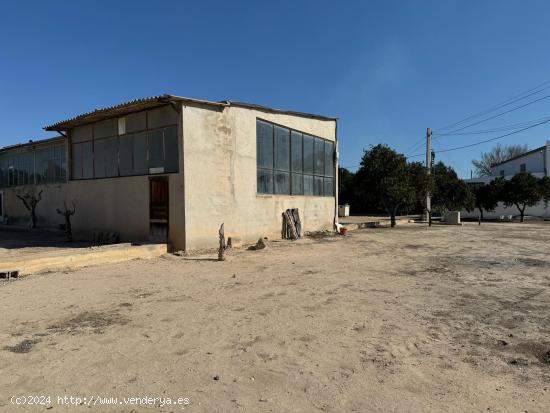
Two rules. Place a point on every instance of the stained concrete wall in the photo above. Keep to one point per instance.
(112, 204)
(220, 177)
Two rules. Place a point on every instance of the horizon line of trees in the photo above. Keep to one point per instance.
(387, 182)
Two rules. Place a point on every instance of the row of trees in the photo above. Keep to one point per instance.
(522, 191)
(386, 182)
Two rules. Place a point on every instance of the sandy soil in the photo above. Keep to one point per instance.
(407, 319)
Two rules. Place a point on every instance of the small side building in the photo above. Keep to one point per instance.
(172, 169)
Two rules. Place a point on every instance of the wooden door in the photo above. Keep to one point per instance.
(158, 208)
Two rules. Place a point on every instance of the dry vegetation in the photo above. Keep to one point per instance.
(405, 319)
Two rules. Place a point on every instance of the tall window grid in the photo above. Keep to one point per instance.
(290, 162)
(136, 144)
(41, 164)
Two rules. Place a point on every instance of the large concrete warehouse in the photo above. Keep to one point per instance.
(172, 169)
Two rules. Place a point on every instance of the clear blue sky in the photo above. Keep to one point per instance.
(387, 69)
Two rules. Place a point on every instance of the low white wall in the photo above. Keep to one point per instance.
(539, 210)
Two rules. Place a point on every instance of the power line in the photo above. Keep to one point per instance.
(516, 98)
(501, 114)
(484, 141)
(499, 129)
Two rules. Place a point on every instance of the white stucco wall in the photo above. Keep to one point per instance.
(537, 163)
(539, 210)
(220, 177)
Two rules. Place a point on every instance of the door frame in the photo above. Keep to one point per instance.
(167, 180)
(2, 201)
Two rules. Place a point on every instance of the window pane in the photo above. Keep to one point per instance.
(111, 157)
(265, 181)
(264, 144)
(282, 182)
(296, 151)
(308, 185)
(41, 165)
(87, 161)
(163, 116)
(319, 156)
(329, 158)
(318, 185)
(81, 134)
(308, 154)
(156, 149)
(106, 128)
(99, 158)
(282, 149)
(329, 186)
(140, 154)
(125, 151)
(136, 122)
(171, 147)
(297, 186)
(77, 161)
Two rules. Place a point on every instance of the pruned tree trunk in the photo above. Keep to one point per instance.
(221, 250)
(392, 217)
(522, 214)
(30, 201)
(67, 213)
(480, 216)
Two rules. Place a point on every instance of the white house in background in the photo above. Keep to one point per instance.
(536, 161)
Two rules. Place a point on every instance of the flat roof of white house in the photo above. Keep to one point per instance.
(136, 105)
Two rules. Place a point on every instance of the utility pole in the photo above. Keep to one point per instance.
(428, 168)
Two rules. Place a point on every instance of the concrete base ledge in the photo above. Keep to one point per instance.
(77, 258)
(382, 223)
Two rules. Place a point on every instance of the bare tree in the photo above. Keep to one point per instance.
(495, 156)
(67, 213)
(31, 201)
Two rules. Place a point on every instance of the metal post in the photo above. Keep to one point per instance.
(428, 168)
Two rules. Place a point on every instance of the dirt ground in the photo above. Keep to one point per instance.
(410, 319)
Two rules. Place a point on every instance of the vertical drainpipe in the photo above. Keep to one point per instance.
(336, 157)
(182, 172)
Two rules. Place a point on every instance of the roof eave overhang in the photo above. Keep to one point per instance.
(125, 109)
(279, 111)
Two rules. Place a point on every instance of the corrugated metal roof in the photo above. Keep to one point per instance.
(124, 108)
(153, 101)
(32, 143)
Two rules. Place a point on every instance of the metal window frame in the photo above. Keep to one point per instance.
(146, 130)
(16, 167)
(290, 172)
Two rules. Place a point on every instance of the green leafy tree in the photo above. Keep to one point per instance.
(487, 196)
(522, 190)
(544, 188)
(345, 186)
(450, 192)
(386, 179)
